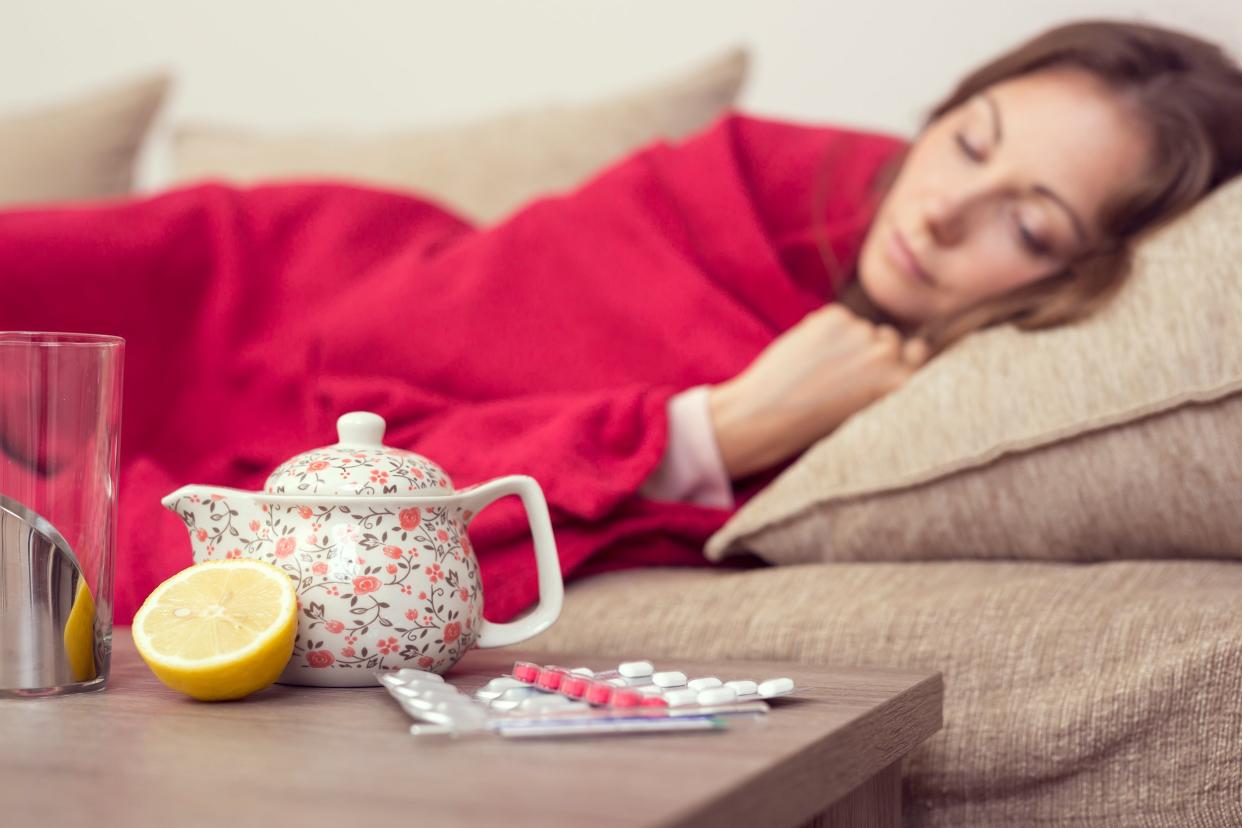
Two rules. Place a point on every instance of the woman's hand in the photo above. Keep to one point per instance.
(805, 384)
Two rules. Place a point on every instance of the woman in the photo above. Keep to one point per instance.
(652, 347)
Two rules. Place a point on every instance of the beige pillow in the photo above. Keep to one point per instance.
(483, 169)
(80, 150)
(1119, 437)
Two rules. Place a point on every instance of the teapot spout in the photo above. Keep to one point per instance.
(211, 513)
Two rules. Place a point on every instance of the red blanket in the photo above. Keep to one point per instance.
(547, 344)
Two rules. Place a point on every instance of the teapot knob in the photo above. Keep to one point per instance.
(360, 428)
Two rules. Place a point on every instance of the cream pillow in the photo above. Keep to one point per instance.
(79, 150)
(1119, 437)
(483, 169)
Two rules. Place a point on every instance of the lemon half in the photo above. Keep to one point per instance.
(220, 629)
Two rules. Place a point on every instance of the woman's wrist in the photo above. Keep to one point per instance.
(745, 437)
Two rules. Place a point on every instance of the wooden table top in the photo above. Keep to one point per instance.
(139, 753)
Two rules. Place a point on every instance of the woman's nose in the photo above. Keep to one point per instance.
(943, 216)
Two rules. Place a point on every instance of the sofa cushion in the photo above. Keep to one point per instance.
(483, 169)
(1118, 437)
(83, 149)
(1075, 695)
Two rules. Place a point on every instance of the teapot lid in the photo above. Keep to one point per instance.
(360, 465)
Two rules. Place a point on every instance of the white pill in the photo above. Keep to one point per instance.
(520, 693)
(706, 683)
(717, 695)
(544, 702)
(504, 705)
(673, 678)
(678, 698)
(422, 675)
(776, 687)
(583, 671)
(635, 669)
(488, 695)
(742, 688)
(650, 690)
(618, 682)
(406, 691)
(504, 683)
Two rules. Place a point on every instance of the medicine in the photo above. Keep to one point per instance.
(525, 671)
(706, 683)
(776, 687)
(407, 674)
(635, 669)
(717, 695)
(653, 701)
(672, 678)
(618, 682)
(626, 698)
(679, 698)
(550, 678)
(519, 693)
(743, 688)
(583, 671)
(574, 686)
(504, 683)
(599, 693)
(649, 690)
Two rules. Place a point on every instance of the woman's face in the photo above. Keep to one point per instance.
(1002, 191)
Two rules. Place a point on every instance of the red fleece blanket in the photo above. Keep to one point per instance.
(547, 344)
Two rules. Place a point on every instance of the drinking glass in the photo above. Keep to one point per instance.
(60, 418)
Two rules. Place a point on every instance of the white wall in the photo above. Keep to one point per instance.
(370, 64)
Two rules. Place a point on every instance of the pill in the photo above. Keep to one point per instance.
(583, 671)
(743, 687)
(504, 705)
(406, 691)
(599, 692)
(678, 698)
(550, 678)
(488, 695)
(717, 695)
(706, 683)
(520, 693)
(775, 687)
(673, 678)
(408, 674)
(574, 687)
(626, 698)
(504, 683)
(653, 701)
(635, 669)
(618, 682)
(525, 671)
(543, 702)
(650, 690)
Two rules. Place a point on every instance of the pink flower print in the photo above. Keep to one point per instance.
(361, 562)
(351, 639)
(318, 465)
(304, 512)
(387, 645)
(380, 477)
(347, 652)
(464, 593)
(419, 473)
(393, 552)
(452, 632)
(320, 568)
(422, 596)
(335, 627)
(409, 518)
(426, 619)
(391, 569)
(433, 572)
(425, 662)
(465, 545)
(264, 507)
(217, 497)
(412, 615)
(201, 534)
(364, 584)
(442, 535)
(194, 498)
(254, 526)
(210, 549)
(233, 553)
(332, 590)
(405, 589)
(285, 547)
(320, 658)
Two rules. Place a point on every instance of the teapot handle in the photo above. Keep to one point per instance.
(547, 562)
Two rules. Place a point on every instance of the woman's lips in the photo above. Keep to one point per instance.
(901, 255)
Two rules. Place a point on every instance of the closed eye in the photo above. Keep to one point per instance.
(967, 150)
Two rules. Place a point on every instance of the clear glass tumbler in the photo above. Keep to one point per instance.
(60, 420)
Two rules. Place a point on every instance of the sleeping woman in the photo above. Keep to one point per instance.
(653, 347)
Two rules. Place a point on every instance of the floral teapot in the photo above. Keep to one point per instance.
(375, 541)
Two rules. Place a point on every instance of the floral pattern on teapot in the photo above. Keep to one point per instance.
(357, 471)
(378, 587)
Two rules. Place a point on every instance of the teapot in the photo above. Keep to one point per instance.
(374, 539)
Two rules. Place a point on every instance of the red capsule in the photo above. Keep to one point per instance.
(599, 692)
(550, 678)
(653, 701)
(525, 671)
(574, 686)
(623, 697)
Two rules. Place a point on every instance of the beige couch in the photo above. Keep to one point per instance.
(1105, 694)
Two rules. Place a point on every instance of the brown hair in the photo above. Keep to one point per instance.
(1185, 89)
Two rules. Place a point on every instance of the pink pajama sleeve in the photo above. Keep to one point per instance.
(691, 469)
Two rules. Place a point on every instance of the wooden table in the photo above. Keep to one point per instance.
(140, 754)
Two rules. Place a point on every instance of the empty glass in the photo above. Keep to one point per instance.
(60, 418)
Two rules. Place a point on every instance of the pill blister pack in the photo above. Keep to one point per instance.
(534, 700)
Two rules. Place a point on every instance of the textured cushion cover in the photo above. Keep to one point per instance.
(84, 149)
(1119, 437)
(1075, 695)
(483, 169)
